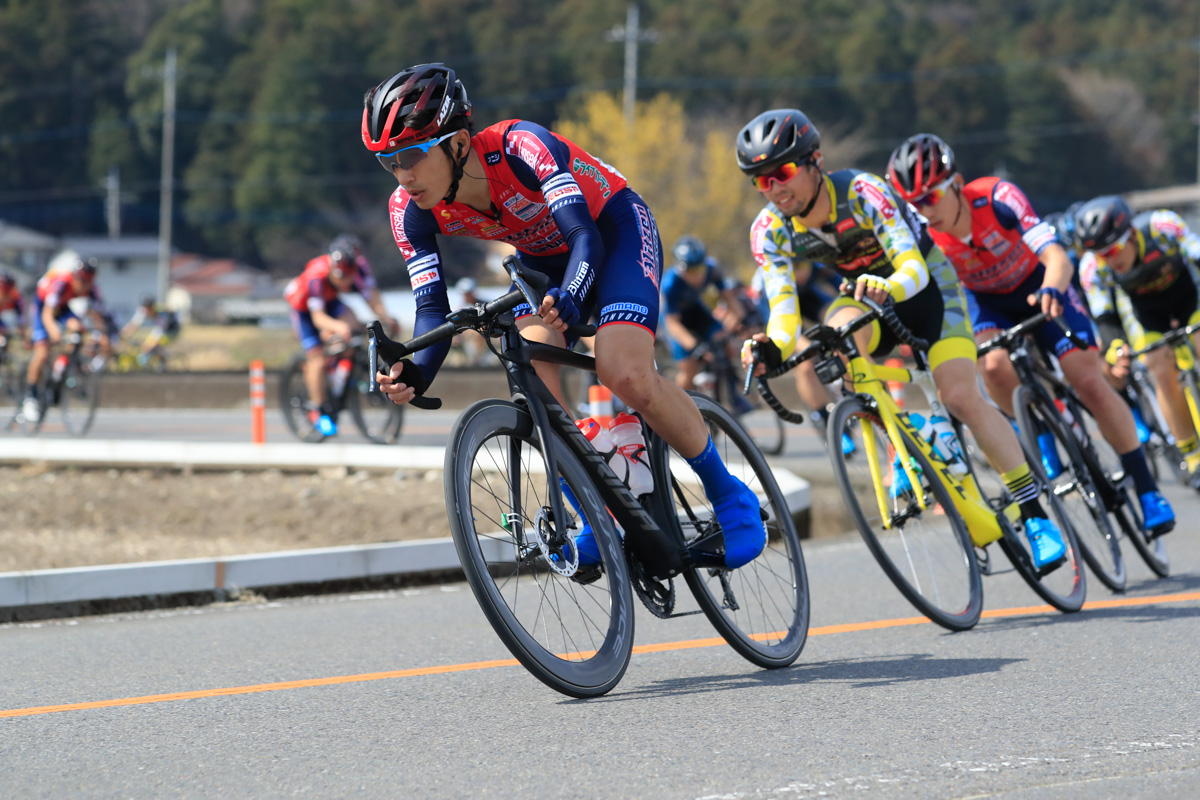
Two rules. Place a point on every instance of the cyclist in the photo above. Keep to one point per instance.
(570, 216)
(11, 302)
(1012, 267)
(163, 324)
(319, 315)
(687, 306)
(1149, 267)
(51, 313)
(851, 220)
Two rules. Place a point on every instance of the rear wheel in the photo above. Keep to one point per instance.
(570, 626)
(927, 553)
(762, 608)
(377, 418)
(79, 396)
(1075, 483)
(294, 401)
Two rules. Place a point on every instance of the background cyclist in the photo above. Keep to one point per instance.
(690, 292)
(162, 322)
(571, 217)
(1151, 260)
(318, 315)
(1011, 266)
(51, 315)
(851, 220)
(12, 305)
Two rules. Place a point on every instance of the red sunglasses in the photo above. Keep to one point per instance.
(934, 195)
(781, 174)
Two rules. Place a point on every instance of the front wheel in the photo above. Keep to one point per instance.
(571, 626)
(78, 396)
(927, 553)
(761, 608)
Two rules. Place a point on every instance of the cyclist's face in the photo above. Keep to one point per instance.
(1122, 259)
(792, 196)
(428, 181)
(343, 282)
(940, 205)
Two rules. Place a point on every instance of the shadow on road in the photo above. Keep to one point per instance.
(860, 673)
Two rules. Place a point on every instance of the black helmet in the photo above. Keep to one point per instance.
(148, 300)
(919, 164)
(84, 266)
(390, 106)
(342, 259)
(6, 279)
(689, 251)
(776, 137)
(347, 243)
(1101, 221)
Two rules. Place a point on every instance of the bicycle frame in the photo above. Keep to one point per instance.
(1180, 341)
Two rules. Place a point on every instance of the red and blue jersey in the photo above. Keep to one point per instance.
(312, 290)
(546, 194)
(1007, 238)
(56, 289)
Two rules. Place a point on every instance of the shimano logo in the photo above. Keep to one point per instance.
(616, 308)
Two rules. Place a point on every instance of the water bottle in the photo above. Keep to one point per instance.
(337, 379)
(600, 438)
(626, 433)
(705, 382)
(948, 444)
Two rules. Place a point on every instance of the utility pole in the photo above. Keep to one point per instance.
(112, 201)
(631, 35)
(168, 179)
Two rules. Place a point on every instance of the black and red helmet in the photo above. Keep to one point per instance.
(776, 137)
(431, 88)
(1101, 221)
(919, 164)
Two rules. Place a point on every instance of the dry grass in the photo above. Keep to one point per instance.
(233, 347)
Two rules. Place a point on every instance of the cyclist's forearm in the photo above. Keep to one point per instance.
(1058, 268)
(677, 331)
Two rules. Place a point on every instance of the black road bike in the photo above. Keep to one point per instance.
(376, 417)
(571, 625)
(68, 383)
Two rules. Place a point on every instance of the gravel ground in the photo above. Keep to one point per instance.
(82, 517)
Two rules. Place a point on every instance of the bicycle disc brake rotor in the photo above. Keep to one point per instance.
(561, 558)
(655, 595)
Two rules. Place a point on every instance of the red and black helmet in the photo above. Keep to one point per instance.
(919, 164)
(390, 107)
(1101, 222)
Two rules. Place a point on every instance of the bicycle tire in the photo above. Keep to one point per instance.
(293, 400)
(1160, 447)
(575, 637)
(928, 556)
(376, 417)
(1076, 487)
(762, 608)
(11, 394)
(78, 397)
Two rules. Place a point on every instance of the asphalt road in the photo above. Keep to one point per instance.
(410, 694)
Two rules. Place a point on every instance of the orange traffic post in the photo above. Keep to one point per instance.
(258, 403)
(600, 405)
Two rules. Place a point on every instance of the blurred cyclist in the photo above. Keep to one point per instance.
(52, 314)
(12, 302)
(319, 315)
(163, 324)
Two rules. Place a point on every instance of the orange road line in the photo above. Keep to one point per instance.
(512, 662)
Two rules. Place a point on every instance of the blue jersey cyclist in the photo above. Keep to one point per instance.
(690, 290)
(570, 216)
(1142, 274)
(852, 221)
(1012, 266)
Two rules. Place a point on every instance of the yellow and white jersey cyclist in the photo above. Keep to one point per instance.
(852, 221)
(1141, 275)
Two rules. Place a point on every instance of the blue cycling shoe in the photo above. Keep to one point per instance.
(740, 516)
(1050, 460)
(848, 447)
(585, 540)
(901, 486)
(1157, 514)
(1143, 431)
(1046, 542)
(326, 426)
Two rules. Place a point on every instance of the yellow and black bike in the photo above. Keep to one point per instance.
(934, 542)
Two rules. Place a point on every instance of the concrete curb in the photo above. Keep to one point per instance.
(218, 575)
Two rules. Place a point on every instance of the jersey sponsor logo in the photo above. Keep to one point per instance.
(582, 284)
(425, 278)
(563, 194)
(530, 149)
(445, 214)
(650, 257)
(493, 158)
(451, 227)
(996, 244)
(1009, 195)
(844, 225)
(979, 202)
(875, 197)
(616, 308)
(522, 207)
(400, 235)
(584, 169)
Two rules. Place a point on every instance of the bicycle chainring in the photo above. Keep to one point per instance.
(657, 596)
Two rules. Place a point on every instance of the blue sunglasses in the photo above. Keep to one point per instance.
(408, 157)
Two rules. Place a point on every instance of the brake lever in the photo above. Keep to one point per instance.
(381, 348)
(754, 359)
